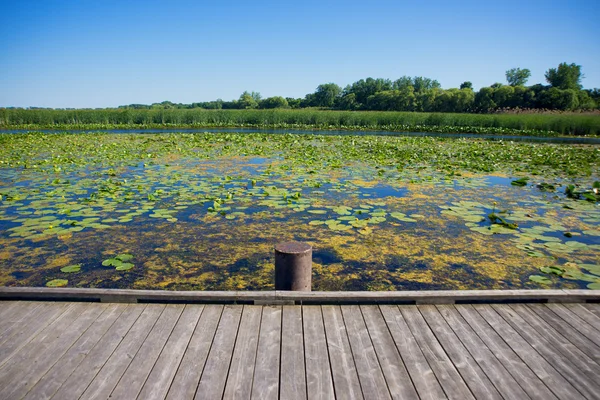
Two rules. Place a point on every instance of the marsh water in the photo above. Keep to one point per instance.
(190, 211)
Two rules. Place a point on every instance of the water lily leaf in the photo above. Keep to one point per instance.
(359, 223)
(592, 232)
(342, 210)
(484, 230)
(520, 182)
(71, 268)
(316, 222)
(124, 267)
(317, 211)
(594, 286)
(112, 262)
(540, 279)
(552, 270)
(57, 283)
(593, 268)
(124, 257)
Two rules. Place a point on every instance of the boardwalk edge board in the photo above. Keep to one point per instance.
(290, 298)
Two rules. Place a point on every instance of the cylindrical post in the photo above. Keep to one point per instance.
(293, 266)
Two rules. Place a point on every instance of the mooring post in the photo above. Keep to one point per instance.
(293, 266)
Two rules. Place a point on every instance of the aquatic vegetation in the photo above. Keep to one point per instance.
(527, 124)
(57, 283)
(71, 268)
(592, 194)
(203, 211)
(119, 262)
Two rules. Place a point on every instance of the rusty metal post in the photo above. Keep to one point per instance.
(293, 266)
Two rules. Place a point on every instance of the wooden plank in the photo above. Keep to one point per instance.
(64, 367)
(6, 308)
(544, 368)
(399, 382)
(190, 369)
(140, 367)
(162, 374)
(35, 315)
(585, 314)
(110, 374)
(15, 314)
(576, 322)
(529, 381)
(214, 377)
(12, 311)
(495, 371)
(471, 372)
(564, 328)
(372, 381)
(594, 308)
(292, 384)
(559, 342)
(87, 369)
(241, 370)
(345, 377)
(412, 325)
(319, 382)
(538, 341)
(35, 359)
(28, 329)
(407, 360)
(39, 342)
(266, 372)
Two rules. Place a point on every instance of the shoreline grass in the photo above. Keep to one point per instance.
(520, 124)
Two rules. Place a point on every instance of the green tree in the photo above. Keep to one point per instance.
(293, 102)
(566, 76)
(364, 88)
(326, 94)
(392, 100)
(503, 96)
(425, 100)
(274, 102)
(248, 100)
(517, 76)
(420, 83)
(484, 100)
(347, 102)
(466, 85)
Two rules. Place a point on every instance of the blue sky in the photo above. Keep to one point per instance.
(83, 53)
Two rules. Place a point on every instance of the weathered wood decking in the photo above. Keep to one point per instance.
(68, 350)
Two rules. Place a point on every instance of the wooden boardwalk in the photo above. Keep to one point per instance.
(70, 350)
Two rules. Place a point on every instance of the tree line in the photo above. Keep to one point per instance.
(564, 92)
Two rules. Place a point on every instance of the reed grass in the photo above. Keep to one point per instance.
(563, 124)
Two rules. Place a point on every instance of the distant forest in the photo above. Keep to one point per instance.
(564, 92)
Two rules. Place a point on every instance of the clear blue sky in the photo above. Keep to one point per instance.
(105, 53)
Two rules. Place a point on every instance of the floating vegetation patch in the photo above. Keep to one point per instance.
(57, 283)
(203, 211)
(71, 268)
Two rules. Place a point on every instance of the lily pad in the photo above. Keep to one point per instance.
(57, 283)
(594, 286)
(540, 279)
(124, 257)
(124, 267)
(112, 262)
(71, 268)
